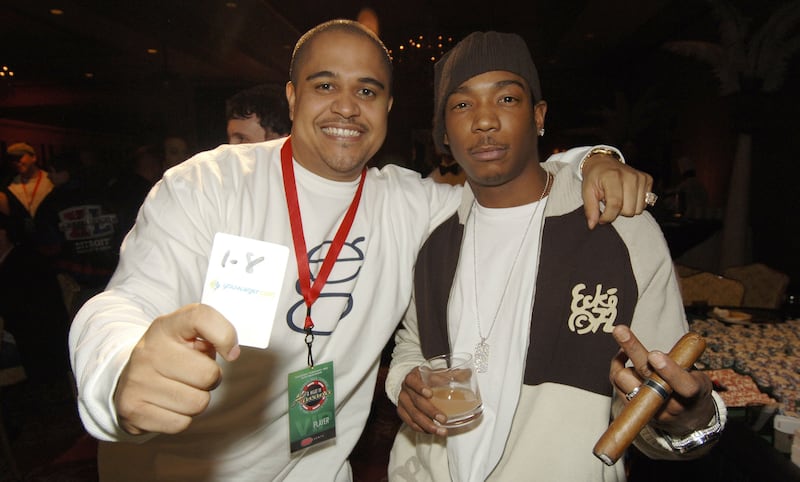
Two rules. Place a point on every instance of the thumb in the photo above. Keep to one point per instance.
(591, 205)
(202, 321)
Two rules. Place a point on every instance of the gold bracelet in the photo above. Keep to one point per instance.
(600, 150)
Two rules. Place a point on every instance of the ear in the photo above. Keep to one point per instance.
(391, 103)
(290, 98)
(539, 113)
(446, 140)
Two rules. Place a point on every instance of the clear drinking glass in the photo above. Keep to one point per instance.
(451, 378)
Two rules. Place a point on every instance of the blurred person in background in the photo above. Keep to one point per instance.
(25, 193)
(81, 225)
(127, 192)
(176, 150)
(32, 305)
(257, 114)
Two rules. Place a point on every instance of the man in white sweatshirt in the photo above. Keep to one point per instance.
(543, 303)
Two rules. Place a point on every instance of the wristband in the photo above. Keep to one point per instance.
(700, 438)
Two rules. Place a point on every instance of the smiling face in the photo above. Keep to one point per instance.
(339, 102)
(491, 129)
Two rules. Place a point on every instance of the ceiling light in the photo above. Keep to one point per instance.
(152, 51)
(56, 11)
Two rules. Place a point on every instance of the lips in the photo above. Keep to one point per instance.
(488, 152)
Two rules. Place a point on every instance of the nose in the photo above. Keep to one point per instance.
(346, 106)
(485, 119)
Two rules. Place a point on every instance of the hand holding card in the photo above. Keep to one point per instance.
(172, 370)
(243, 282)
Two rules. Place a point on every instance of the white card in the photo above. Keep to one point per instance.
(243, 282)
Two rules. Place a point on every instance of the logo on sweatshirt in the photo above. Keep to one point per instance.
(592, 311)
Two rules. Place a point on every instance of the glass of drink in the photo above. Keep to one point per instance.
(454, 384)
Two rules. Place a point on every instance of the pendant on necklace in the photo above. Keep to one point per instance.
(482, 356)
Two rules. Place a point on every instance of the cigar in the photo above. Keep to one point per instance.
(644, 405)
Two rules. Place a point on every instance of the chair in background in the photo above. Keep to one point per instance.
(764, 287)
(710, 289)
(684, 271)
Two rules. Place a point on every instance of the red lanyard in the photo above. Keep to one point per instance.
(311, 292)
(33, 194)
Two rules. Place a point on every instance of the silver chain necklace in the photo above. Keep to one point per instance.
(482, 348)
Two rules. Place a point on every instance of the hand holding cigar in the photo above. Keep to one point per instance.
(649, 387)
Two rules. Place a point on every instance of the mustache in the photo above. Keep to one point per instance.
(486, 143)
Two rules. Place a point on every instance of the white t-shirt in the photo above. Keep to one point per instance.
(506, 259)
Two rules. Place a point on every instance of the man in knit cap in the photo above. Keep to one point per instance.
(530, 297)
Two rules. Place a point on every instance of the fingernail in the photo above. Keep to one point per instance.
(234, 353)
(441, 432)
(440, 418)
(622, 335)
(427, 393)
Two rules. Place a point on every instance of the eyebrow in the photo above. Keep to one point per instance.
(365, 80)
(498, 84)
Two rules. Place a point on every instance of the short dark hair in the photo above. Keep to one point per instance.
(343, 25)
(267, 102)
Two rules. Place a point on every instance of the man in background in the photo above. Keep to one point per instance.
(257, 114)
(25, 193)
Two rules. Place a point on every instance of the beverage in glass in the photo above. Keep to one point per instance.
(451, 378)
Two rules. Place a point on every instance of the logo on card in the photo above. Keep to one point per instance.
(313, 395)
(215, 285)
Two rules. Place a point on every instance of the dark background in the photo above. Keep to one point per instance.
(85, 79)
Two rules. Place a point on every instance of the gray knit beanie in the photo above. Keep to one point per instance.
(476, 54)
